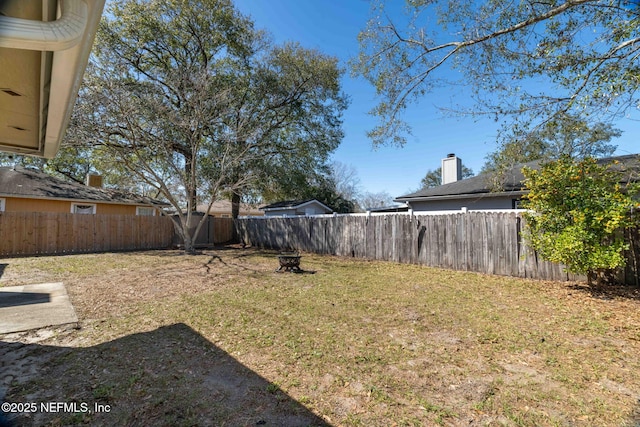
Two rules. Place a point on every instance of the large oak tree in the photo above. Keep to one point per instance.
(193, 101)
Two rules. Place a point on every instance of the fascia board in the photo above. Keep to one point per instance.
(460, 196)
(66, 77)
(311, 202)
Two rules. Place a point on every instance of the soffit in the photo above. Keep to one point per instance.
(42, 60)
(21, 82)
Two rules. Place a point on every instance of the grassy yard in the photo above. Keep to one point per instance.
(221, 339)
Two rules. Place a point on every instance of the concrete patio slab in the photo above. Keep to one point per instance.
(23, 308)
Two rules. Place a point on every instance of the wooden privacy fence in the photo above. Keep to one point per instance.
(44, 233)
(486, 242)
(222, 230)
(215, 230)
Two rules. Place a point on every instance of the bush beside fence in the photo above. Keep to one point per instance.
(485, 242)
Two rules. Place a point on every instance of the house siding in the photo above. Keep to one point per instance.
(222, 209)
(479, 203)
(109, 209)
(311, 210)
(281, 212)
(35, 205)
(15, 204)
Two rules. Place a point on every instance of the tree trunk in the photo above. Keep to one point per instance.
(191, 192)
(235, 205)
(235, 212)
(590, 276)
(181, 224)
(189, 247)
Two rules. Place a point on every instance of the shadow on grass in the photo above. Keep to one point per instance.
(170, 376)
(609, 292)
(301, 271)
(217, 258)
(241, 252)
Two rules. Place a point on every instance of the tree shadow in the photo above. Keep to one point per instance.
(3, 267)
(608, 292)
(168, 376)
(229, 263)
(300, 271)
(247, 252)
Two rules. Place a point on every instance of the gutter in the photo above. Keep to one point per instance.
(65, 45)
(61, 34)
(68, 68)
(460, 196)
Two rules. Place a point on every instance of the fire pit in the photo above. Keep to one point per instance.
(289, 261)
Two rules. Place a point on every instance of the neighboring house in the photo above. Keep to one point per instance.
(44, 49)
(476, 193)
(296, 208)
(222, 209)
(30, 190)
(390, 209)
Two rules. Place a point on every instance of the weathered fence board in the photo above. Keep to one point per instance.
(222, 230)
(486, 242)
(213, 231)
(43, 233)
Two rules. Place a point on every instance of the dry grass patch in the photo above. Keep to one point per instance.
(356, 343)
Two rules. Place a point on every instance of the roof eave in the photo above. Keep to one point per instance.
(266, 209)
(461, 196)
(69, 39)
(68, 69)
(84, 200)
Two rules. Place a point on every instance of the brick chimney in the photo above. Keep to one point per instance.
(94, 180)
(451, 169)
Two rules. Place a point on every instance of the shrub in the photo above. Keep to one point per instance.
(578, 211)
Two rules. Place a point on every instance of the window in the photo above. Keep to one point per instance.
(2, 202)
(516, 204)
(83, 208)
(145, 211)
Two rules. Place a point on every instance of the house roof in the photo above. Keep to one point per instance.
(31, 183)
(512, 181)
(474, 186)
(294, 204)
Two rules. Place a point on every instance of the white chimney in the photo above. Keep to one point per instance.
(451, 169)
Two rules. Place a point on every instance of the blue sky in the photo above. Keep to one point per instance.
(332, 26)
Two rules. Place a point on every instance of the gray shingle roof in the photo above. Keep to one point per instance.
(513, 178)
(23, 182)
